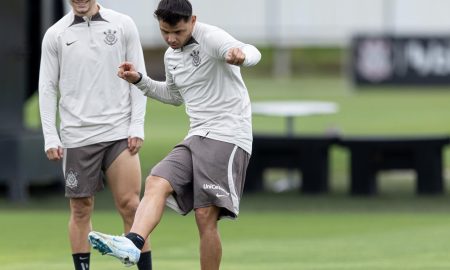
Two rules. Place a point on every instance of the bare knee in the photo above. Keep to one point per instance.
(81, 209)
(127, 205)
(206, 218)
(155, 185)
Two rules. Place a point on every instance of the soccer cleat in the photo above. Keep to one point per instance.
(117, 246)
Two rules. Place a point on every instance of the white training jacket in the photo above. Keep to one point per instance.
(214, 93)
(80, 60)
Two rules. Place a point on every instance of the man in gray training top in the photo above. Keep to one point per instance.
(206, 171)
(102, 116)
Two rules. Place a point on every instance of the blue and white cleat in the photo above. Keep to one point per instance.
(117, 246)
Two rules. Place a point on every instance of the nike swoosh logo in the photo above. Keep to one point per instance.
(220, 195)
(84, 258)
(175, 67)
(70, 43)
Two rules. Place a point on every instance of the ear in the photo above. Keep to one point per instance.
(193, 19)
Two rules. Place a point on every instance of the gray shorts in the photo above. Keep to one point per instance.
(84, 167)
(204, 172)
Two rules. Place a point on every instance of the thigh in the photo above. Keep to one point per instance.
(219, 174)
(176, 168)
(82, 168)
(123, 171)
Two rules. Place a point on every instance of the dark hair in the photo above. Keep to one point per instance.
(173, 11)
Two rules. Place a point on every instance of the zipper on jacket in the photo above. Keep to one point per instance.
(88, 21)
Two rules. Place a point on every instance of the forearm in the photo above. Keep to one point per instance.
(48, 90)
(47, 108)
(218, 44)
(138, 109)
(159, 91)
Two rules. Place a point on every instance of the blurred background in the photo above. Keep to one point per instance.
(339, 82)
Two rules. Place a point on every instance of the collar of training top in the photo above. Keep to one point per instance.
(96, 17)
(189, 42)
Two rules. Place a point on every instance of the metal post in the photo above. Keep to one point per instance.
(281, 55)
(389, 15)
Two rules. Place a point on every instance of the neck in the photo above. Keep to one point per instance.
(90, 12)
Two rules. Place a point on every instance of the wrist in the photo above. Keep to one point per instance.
(140, 78)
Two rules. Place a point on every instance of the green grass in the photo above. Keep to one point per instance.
(393, 230)
(274, 231)
(364, 111)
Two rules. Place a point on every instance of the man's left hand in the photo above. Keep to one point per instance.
(134, 144)
(235, 56)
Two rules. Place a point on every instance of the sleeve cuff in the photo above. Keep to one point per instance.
(53, 144)
(136, 132)
(140, 78)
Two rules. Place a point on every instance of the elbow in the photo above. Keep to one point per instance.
(258, 57)
(253, 56)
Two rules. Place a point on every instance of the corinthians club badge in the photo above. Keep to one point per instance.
(374, 62)
(110, 37)
(71, 179)
(196, 61)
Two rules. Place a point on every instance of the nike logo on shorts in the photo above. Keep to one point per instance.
(220, 195)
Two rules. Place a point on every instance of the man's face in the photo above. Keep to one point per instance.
(176, 36)
(84, 7)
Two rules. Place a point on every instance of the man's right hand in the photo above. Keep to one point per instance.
(128, 72)
(55, 154)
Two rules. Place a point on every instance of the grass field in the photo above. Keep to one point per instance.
(394, 230)
(275, 231)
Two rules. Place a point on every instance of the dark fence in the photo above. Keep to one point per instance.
(368, 156)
